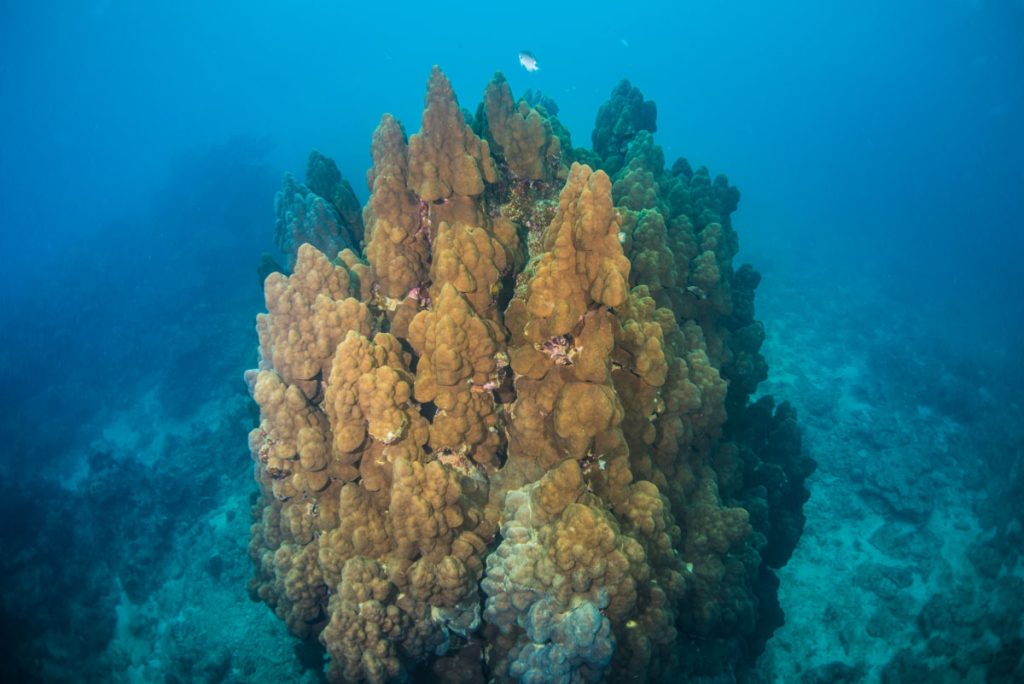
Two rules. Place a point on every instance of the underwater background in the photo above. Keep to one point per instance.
(879, 155)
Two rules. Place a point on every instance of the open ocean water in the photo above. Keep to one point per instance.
(878, 152)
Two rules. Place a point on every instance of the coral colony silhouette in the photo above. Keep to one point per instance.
(505, 419)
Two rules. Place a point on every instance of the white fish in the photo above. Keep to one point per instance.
(528, 61)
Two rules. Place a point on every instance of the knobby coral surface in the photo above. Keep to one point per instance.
(324, 213)
(512, 440)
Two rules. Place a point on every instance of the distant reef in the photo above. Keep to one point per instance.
(506, 430)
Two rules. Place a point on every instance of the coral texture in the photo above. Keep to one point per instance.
(522, 135)
(325, 213)
(516, 442)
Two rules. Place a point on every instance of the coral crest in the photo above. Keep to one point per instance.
(619, 121)
(582, 262)
(446, 158)
(325, 213)
(396, 242)
(523, 137)
(517, 442)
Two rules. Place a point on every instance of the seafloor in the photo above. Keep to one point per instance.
(909, 568)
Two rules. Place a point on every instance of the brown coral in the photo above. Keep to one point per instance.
(446, 158)
(522, 136)
(397, 244)
(309, 314)
(458, 372)
(556, 367)
(582, 263)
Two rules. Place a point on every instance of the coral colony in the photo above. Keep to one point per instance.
(505, 421)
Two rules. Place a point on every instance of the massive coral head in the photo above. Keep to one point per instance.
(517, 439)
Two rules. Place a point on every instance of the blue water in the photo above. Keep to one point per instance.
(880, 158)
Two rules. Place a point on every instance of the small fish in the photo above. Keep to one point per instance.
(625, 43)
(528, 61)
